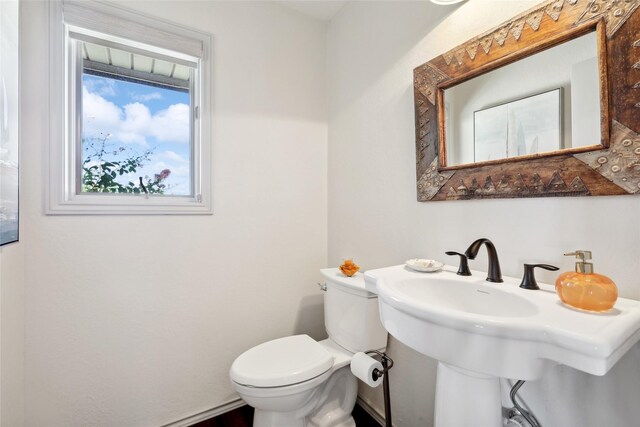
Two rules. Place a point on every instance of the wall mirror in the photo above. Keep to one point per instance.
(546, 104)
(542, 103)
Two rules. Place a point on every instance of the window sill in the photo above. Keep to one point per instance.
(108, 204)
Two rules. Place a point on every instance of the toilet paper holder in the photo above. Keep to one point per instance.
(387, 363)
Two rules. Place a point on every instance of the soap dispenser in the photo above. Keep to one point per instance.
(584, 289)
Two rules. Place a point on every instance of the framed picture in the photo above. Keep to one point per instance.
(526, 126)
(8, 122)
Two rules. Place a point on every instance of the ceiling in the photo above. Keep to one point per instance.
(321, 10)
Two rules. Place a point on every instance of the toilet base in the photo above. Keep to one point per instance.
(329, 405)
(270, 419)
(347, 421)
(280, 419)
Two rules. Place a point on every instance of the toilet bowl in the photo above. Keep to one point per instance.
(296, 381)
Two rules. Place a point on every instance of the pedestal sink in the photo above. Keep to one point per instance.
(480, 332)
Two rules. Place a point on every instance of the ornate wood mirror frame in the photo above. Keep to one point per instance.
(612, 168)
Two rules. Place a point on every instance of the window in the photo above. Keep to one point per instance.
(134, 137)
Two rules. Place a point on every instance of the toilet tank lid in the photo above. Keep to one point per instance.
(353, 283)
(281, 362)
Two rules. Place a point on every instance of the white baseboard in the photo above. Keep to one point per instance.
(379, 418)
(209, 413)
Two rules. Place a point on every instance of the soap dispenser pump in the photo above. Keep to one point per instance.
(584, 289)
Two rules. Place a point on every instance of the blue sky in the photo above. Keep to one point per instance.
(140, 117)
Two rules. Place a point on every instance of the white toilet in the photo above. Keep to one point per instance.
(296, 381)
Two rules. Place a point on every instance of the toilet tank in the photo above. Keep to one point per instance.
(351, 315)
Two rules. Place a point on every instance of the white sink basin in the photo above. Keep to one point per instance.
(445, 293)
(499, 329)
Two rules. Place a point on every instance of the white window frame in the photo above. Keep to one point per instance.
(87, 18)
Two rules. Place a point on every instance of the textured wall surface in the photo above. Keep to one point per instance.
(374, 217)
(134, 320)
(12, 255)
(12, 335)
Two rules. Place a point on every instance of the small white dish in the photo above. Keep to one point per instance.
(424, 265)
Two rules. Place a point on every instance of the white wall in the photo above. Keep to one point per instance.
(143, 333)
(12, 255)
(12, 335)
(134, 321)
(374, 217)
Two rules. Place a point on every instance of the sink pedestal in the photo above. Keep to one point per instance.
(465, 398)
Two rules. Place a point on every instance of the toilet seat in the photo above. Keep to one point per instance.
(281, 362)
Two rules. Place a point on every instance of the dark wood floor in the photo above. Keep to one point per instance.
(362, 418)
(243, 417)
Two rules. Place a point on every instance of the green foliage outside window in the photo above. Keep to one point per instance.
(103, 164)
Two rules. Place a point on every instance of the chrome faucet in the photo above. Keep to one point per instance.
(494, 274)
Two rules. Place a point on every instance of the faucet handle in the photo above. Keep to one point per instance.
(463, 269)
(529, 279)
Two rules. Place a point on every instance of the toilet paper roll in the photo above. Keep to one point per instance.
(362, 366)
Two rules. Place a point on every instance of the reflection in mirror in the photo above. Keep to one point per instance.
(542, 103)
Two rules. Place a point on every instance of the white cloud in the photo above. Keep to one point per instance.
(146, 97)
(173, 156)
(172, 124)
(135, 126)
(99, 116)
(134, 123)
(100, 86)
